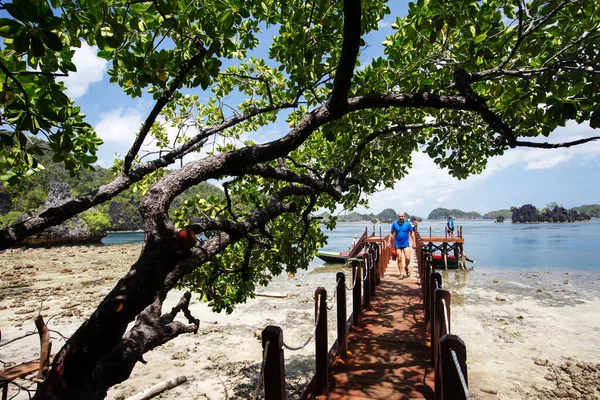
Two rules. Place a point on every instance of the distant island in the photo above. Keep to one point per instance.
(444, 213)
(553, 212)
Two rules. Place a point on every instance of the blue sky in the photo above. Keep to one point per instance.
(521, 176)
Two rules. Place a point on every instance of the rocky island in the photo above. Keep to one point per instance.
(530, 214)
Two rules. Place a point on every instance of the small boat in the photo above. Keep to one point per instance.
(332, 257)
(438, 261)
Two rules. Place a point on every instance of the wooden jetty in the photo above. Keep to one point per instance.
(397, 343)
(390, 354)
(447, 251)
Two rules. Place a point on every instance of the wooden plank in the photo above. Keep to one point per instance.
(21, 370)
(390, 352)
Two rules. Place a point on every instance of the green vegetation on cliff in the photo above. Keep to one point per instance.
(120, 213)
(593, 210)
(444, 213)
(506, 213)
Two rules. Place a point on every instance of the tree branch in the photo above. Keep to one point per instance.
(547, 145)
(160, 104)
(494, 121)
(350, 48)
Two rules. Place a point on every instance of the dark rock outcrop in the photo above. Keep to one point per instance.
(530, 214)
(560, 214)
(4, 203)
(525, 214)
(72, 231)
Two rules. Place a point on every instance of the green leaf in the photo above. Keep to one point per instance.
(480, 38)
(37, 46)
(52, 41)
(21, 41)
(9, 28)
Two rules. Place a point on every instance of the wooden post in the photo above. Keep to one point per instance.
(341, 315)
(463, 259)
(274, 374)
(427, 298)
(321, 349)
(367, 286)
(445, 254)
(430, 231)
(451, 384)
(439, 326)
(434, 278)
(378, 258)
(456, 255)
(372, 274)
(357, 294)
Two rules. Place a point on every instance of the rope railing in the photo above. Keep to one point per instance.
(365, 274)
(295, 348)
(448, 350)
(337, 283)
(463, 381)
(437, 230)
(445, 311)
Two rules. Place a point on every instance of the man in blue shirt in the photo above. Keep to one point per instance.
(402, 230)
(450, 226)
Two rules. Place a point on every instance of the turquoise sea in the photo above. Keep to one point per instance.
(545, 246)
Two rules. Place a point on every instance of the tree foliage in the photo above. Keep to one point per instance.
(463, 82)
(593, 210)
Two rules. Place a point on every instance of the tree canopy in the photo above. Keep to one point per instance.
(464, 82)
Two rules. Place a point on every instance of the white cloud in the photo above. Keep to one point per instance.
(427, 184)
(119, 126)
(383, 24)
(90, 69)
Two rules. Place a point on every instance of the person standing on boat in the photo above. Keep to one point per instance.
(353, 242)
(450, 227)
(400, 234)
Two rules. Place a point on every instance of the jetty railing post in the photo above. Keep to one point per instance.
(439, 330)
(373, 273)
(274, 372)
(435, 281)
(452, 387)
(341, 315)
(321, 349)
(427, 292)
(378, 264)
(367, 285)
(357, 293)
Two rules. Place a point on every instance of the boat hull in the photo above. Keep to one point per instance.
(438, 261)
(332, 257)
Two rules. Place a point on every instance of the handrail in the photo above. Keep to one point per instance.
(359, 244)
(448, 351)
(363, 271)
(463, 381)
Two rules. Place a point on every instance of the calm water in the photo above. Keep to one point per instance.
(492, 245)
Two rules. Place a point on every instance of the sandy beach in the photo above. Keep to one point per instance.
(529, 335)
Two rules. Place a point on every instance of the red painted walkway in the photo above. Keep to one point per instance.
(390, 352)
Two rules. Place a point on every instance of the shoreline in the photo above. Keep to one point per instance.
(519, 326)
